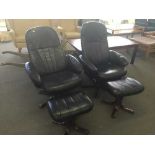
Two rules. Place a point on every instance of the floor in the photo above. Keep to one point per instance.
(19, 100)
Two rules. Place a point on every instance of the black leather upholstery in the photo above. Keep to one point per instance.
(50, 69)
(105, 67)
(74, 64)
(94, 43)
(151, 25)
(60, 81)
(111, 72)
(33, 74)
(58, 75)
(118, 59)
(45, 50)
(97, 59)
(141, 22)
(67, 107)
(125, 87)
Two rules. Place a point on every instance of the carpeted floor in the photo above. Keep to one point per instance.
(19, 100)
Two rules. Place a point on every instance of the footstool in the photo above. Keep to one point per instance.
(121, 88)
(64, 110)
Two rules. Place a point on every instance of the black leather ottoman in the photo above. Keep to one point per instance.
(121, 88)
(63, 110)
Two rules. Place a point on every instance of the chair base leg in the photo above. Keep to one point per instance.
(96, 93)
(16, 53)
(114, 112)
(117, 105)
(71, 126)
(42, 105)
(127, 109)
(81, 130)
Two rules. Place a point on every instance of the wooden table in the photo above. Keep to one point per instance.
(123, 29)
(150, 34)
(114, 42)
(147, 43)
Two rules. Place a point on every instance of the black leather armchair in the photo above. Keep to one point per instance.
(56, 81)
(105, 67)
(56, 75)
(141, 22)
(98, 61)
(151, 25)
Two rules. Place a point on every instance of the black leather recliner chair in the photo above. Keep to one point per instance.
(106, 68)
(56, 75)
(99, 62)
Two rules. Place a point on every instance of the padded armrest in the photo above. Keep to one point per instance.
(118, 59)
(73, 64)
(34, 76)
(87, 64)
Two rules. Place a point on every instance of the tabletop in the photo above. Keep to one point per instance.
(113, 42)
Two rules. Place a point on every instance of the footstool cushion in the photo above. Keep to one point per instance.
(125, 87)
(68, 107)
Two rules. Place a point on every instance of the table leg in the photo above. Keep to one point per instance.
(147, 52)
(134, 55)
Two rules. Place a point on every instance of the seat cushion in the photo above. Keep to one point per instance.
(68, 107)
(125, 87)
(111, 73)
(60, 81)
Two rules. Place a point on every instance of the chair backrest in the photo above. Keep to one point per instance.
(151, 22)
(94, 42)
(89, 20)
(45, 50)
(141, 22)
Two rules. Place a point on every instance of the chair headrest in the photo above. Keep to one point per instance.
(93, 31)
(42, 37)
